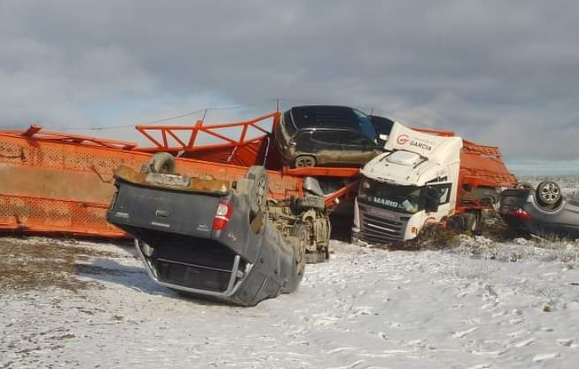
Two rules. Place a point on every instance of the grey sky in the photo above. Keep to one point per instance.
(499, 72)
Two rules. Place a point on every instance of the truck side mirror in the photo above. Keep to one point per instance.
(431, 200)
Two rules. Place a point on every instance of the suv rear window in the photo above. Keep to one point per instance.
(332, 117)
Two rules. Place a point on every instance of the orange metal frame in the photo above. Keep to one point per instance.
(191, 144)
(63, 183)
(240, 151)
(55, 182)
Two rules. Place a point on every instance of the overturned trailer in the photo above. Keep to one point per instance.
(62, 183)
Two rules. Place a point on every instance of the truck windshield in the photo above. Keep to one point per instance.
(402, 199)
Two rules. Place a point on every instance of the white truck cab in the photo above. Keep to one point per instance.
(413, 183)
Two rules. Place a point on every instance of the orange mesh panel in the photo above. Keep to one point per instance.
(49, 215)
(31, 207)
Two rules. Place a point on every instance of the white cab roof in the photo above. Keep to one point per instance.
(413, 157)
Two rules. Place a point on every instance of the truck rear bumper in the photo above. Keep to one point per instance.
(159, 271)
(209, 269)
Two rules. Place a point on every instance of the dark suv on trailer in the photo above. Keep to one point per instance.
(324, 135)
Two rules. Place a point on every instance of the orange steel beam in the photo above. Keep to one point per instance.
(36, 132)
(196, 148)
(322, 172)
(64, 183)
(146, 130)
(330, 199)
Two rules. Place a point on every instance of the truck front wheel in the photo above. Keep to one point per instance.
(299, 236)
(258, 190)
(161, 162)
(471, 221)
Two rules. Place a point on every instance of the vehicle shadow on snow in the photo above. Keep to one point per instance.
(111, 271)
(136, 278)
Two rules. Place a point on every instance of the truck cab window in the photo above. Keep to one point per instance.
(443, 191)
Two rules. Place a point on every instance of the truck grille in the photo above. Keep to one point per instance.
(378, 230)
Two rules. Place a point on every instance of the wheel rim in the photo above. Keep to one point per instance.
(305, 161)
(550, 193)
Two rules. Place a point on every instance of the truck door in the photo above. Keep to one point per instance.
(442, 191)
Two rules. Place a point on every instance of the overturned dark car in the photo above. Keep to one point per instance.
(206, 237)
(543, 211)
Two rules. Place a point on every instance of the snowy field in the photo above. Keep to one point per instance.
(483, 304)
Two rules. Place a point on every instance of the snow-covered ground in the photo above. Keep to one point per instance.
(481, 305)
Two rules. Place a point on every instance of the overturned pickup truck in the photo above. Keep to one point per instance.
(208, 237)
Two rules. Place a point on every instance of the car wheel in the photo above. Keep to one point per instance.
(524, 186)
(548, 193)
(161, 162)
(259, 189)
(299, 235)
(305, 161)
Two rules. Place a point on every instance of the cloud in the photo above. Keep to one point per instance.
(502, 73)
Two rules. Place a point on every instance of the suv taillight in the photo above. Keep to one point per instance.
(521, 214)
(224, 211)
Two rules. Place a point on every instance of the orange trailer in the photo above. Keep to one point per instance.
(63, 183)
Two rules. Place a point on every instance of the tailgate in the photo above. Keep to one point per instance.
(155, 208)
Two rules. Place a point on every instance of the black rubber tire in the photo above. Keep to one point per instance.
(318, 257)
(305, 161)
(259, 189)
(300, 232)
(161, 162)
(471, 221)
(456, 223)
(524, 186)
(548, 193)
(311, 202)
